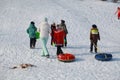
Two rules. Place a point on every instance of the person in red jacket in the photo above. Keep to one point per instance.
(118, 12)
(59, 35)
(94, 37)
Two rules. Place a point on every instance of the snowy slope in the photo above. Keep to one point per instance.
(15, 16)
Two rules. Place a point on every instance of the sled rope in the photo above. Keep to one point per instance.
(98, 50)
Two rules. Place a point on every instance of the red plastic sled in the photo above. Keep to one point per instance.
(67, 57)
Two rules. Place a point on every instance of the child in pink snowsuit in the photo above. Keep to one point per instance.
(118, 12)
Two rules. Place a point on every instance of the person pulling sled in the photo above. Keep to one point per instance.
(94, 37)
(59, 35)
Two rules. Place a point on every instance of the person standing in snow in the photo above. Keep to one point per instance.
(53, 27)
(59, 35)
(118, 12)
(31, 31)
(44, 30)
(94, 37)
(63, 26)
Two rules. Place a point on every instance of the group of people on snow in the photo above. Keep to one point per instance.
(58, 40)
(61, 26)
(45, 29)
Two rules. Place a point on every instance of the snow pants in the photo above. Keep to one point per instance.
(95, 46)
(59, 50)
(32, 42)
(44, 48)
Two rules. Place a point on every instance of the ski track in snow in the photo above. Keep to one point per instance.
(14, 49)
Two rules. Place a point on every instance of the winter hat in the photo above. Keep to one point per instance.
(94, 26)
(63, 21)
(32, 22)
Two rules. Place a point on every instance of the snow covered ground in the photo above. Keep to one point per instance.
(15, 16)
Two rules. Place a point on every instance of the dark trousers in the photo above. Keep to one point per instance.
(32, 42)
(59, 50)
(95, 46)
(65, 41)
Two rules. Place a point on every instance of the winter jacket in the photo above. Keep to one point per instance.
(31, 31)
(118, 12)
(59, 36)
(44, 29)
(63, 26)
(52, 30)
(94, 35)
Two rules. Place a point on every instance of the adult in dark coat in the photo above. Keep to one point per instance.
(94, 37)
(63, 26)
(53, 28)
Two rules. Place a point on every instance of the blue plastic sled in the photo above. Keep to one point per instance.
(103, 57)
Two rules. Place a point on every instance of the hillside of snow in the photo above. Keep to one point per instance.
(15, 17)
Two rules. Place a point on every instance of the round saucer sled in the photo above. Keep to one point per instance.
(66, 57)
(103, 56)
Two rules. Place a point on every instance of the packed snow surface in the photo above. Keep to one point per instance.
(15, 17)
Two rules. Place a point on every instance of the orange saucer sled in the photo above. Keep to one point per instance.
(66, 57)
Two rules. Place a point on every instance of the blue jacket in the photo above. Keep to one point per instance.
(31, 31)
